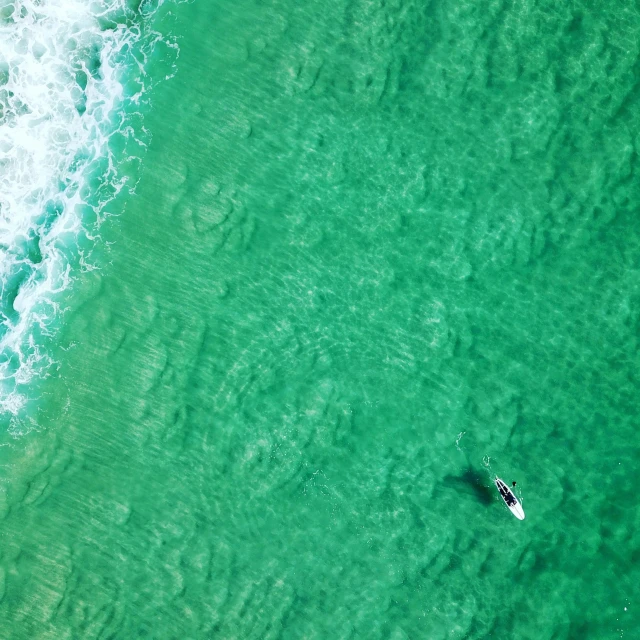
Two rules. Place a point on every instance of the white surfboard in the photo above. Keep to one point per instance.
(510, 499)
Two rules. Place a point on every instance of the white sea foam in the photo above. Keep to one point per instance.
(71, 75)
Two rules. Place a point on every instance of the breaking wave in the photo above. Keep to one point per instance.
(73, 83)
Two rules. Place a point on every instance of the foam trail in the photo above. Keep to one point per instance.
(72, 75)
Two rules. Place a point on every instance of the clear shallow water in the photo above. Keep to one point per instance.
(361, 231)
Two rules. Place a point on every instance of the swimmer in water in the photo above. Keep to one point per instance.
(513, 483)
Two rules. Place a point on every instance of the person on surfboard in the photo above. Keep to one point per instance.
(507, 495)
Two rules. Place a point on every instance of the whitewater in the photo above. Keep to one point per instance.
(73, 88)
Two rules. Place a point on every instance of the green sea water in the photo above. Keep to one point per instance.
(380, 252)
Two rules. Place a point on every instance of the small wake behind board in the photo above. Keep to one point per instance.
(510, 499)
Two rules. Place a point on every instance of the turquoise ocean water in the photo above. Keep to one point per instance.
(285, 285)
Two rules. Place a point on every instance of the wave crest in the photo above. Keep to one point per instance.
(73, 80)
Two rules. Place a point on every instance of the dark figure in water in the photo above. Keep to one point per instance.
(513, 483)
